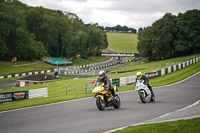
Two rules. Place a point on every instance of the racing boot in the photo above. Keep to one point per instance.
(113, 92)
(152, 95)
(150, 88)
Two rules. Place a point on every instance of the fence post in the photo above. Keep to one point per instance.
(66, 90)
(86, 87)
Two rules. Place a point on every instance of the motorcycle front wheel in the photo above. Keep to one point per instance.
(117, 103)
(142, 97)
(100, 104)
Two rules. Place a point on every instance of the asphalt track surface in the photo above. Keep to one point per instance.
(82, 116)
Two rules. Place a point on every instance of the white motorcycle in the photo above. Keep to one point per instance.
(144, 92)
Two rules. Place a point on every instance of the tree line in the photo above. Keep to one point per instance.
(120, 28)
(30, 33)
(171, 36)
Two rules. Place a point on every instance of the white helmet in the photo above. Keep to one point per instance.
(102, 74)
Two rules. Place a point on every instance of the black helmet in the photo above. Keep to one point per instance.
(102, 74)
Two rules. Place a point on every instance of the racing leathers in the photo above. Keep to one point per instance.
(107, 83)
(146, 82)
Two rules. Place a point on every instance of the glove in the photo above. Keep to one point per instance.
(144, 83)
(106, 86)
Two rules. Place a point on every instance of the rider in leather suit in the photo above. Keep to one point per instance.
(146, 81)
(104, 79)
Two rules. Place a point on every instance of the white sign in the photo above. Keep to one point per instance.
(22, 84)
(42, 92)
(124, 55)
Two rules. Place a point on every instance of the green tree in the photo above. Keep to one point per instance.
(3, 49)
(31, 32)
(16, 40)
(96, 39)
(164, 34)
(156, 42)
(188, 36)
(144, 43)
(78, 45)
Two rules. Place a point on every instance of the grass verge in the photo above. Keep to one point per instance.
(25, 66)
(180, 126)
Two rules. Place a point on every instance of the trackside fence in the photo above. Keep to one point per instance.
(123, 81)
(68, 70)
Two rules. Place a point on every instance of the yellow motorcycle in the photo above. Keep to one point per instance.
(104, 97)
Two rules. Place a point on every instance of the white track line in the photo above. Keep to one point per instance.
(164, 114)
(47, 104)
(144, 123)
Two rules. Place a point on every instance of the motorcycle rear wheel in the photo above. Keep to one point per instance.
(100, 104)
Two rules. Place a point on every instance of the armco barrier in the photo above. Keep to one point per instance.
(130, 80)
(53, 70)
(24, 74)
(158, 73)
(123, 81)
(126, 80)
(173, 68)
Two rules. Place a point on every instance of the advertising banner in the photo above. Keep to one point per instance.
(5, 97)
(151, 75)
(20, 95)
(13, 96)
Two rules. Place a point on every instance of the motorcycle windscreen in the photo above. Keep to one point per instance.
(98, 87)
(98, 84)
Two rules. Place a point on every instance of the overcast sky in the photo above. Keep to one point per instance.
(132, 13)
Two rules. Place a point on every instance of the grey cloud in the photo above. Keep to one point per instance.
(145, 6)
(136, 13)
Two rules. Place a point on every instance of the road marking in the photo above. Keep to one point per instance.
(144, 123)
(46, 105)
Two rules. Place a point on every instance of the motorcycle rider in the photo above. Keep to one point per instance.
(104, 79)
(146, 81)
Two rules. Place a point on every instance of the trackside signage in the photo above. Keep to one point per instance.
(5, 97)
(151, 75)
(121, 55)
(115, 54)
(13, 96)
(20, 95)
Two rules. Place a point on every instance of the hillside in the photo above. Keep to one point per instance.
(122, 42)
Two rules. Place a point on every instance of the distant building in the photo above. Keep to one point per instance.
(36, 79)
